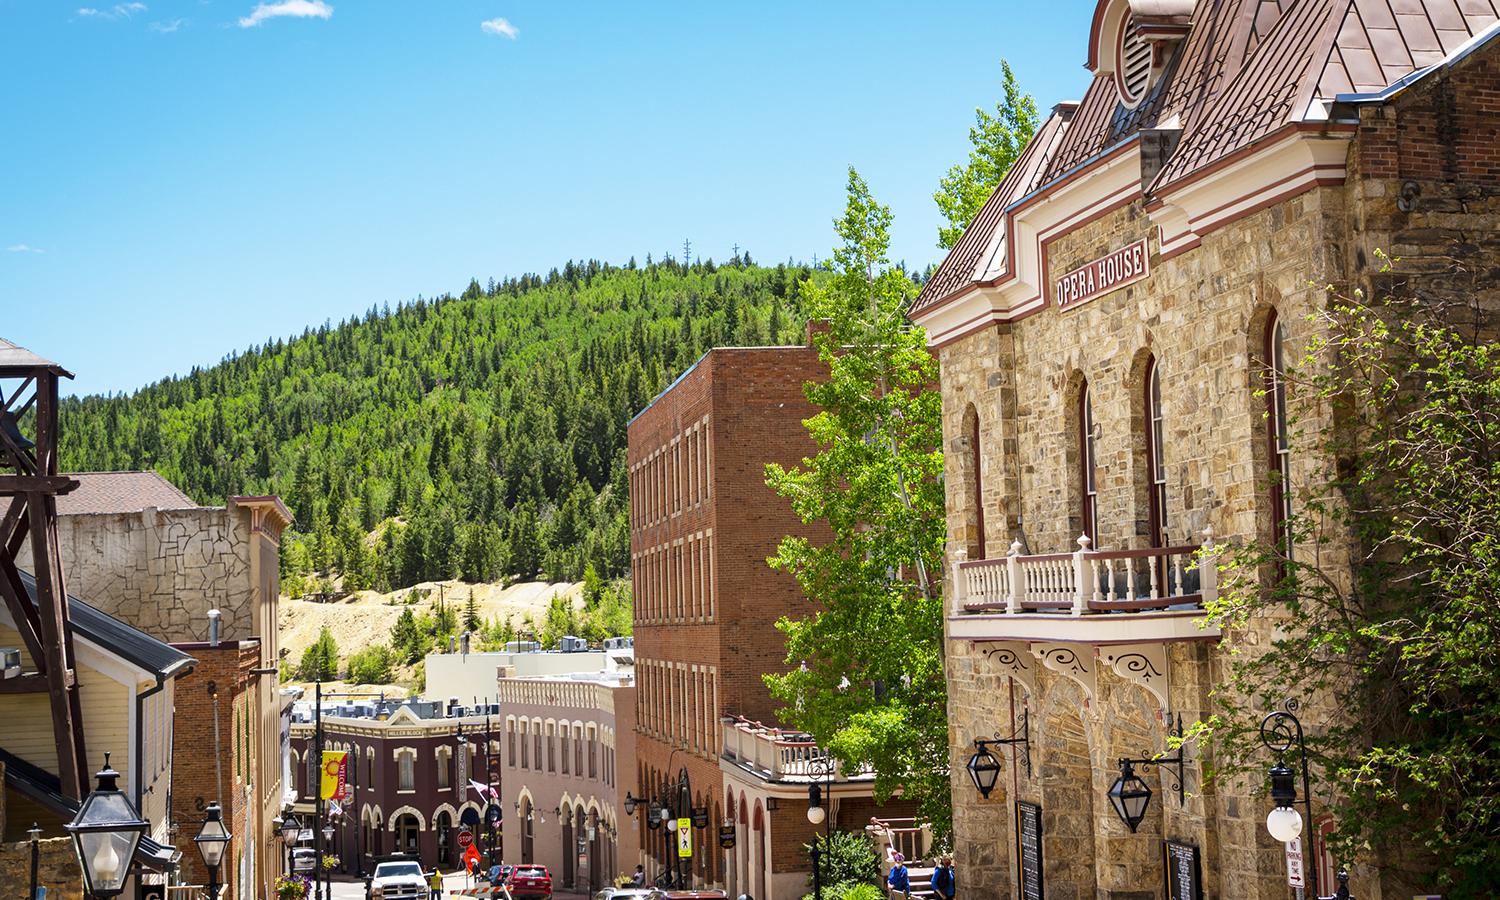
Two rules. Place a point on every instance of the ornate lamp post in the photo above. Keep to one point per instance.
(1280, 731)
(291, 829)
(106, 831)
(212, 840)
(820, 767)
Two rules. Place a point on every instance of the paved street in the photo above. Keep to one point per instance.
(354, 890)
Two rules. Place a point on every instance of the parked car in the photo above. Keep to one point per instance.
(399, 880)
(304, 859)
(673, 894)
(529, 880)
(623, 893)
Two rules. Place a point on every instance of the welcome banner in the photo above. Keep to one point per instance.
(335, 774)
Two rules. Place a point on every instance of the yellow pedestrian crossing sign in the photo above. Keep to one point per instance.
(685, 837)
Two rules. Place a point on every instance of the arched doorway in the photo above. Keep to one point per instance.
(1068, 801)
(444, 838)
(408, 832)
(528, 832)
(569, 849)
(758, 854)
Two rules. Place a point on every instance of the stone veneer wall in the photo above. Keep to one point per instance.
(1202, 316)
(163, 570)
(57, 869)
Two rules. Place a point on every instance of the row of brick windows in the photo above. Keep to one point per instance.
(362, 766)
(673, 478)
(674, 582)
(679, 704)
(551, 747)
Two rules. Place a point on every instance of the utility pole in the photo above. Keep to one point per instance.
(687, 252)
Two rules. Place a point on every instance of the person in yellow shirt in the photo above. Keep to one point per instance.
(435, 882)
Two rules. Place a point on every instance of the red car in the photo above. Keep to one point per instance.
(530, 881)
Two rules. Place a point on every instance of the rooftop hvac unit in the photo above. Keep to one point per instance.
(571, 644)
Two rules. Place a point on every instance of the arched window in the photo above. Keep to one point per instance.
(406, 770)
(977, 551)
(1279, 434)
(1156, 464)
(1087, 458)
(444, 761)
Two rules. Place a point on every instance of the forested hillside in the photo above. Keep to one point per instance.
(478, 437)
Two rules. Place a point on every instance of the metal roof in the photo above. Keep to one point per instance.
(1245, 69)
(116, 637)
(14, 356)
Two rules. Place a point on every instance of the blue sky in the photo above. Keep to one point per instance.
(183, 178)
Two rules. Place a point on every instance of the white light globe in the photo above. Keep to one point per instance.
(816, 814)
(1284, 823)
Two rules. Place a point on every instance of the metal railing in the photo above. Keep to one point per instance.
(1090, 581)
(772, 751)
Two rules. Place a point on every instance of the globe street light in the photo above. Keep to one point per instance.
(106, 831)
(1280, 731)
(212, 839)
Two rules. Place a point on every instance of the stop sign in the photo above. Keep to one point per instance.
(465, 838)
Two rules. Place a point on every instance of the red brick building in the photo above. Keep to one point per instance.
(703, 523)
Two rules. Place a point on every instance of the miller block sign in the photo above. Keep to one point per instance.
(1029, 845)
(1107, 273)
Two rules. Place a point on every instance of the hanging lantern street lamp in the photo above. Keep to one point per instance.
(212, 840)
(984, 768)
(1130, 796)
(106, 831)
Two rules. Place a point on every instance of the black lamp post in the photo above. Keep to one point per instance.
(820, 767)
(35, 834)
(1130, 796)
(1280, 731)
(328, 849)
(212, 840)
(106, 831)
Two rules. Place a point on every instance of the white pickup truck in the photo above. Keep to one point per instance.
(399, 880)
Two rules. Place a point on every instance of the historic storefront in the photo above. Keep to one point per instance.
(1111, 330)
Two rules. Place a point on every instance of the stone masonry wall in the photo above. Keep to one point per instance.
(57, 869)
(163, 570)
(1202, 316)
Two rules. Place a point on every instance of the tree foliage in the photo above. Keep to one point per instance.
(998, 140)
(1401, 640)
(375, 664)
(479, 437)
(320, 661)
(868, 677)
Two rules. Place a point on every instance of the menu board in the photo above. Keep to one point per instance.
(1184, 877)
(1029, 849)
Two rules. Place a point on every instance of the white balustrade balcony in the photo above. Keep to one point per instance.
(1093, 596)
(775, 754)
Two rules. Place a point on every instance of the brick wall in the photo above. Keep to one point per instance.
(197, 770)
(708, 439)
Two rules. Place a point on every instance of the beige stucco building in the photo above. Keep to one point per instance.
(1111, 330)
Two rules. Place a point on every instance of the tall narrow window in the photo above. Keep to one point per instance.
(977, 551)
(1087, 457)
(1156, 468)
(1280, 449)
(406, 772)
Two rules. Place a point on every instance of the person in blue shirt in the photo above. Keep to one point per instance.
(899, 881)
(944, 881)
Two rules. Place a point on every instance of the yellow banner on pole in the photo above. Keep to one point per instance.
(685, 837)
(335, 774)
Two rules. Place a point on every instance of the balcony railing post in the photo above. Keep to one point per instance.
(960, 580)
(1014, 586)
(1080, 576)
(1208, 568)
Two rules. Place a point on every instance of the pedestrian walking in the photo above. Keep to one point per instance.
(899, 881)
(435, 882)
(944, 881)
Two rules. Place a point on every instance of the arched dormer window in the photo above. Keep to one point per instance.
(1133, 63)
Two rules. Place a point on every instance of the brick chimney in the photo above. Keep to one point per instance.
(817, 326)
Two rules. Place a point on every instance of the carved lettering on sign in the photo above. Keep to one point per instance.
(1124, 266)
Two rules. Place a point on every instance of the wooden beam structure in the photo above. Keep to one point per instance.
(29, 487)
